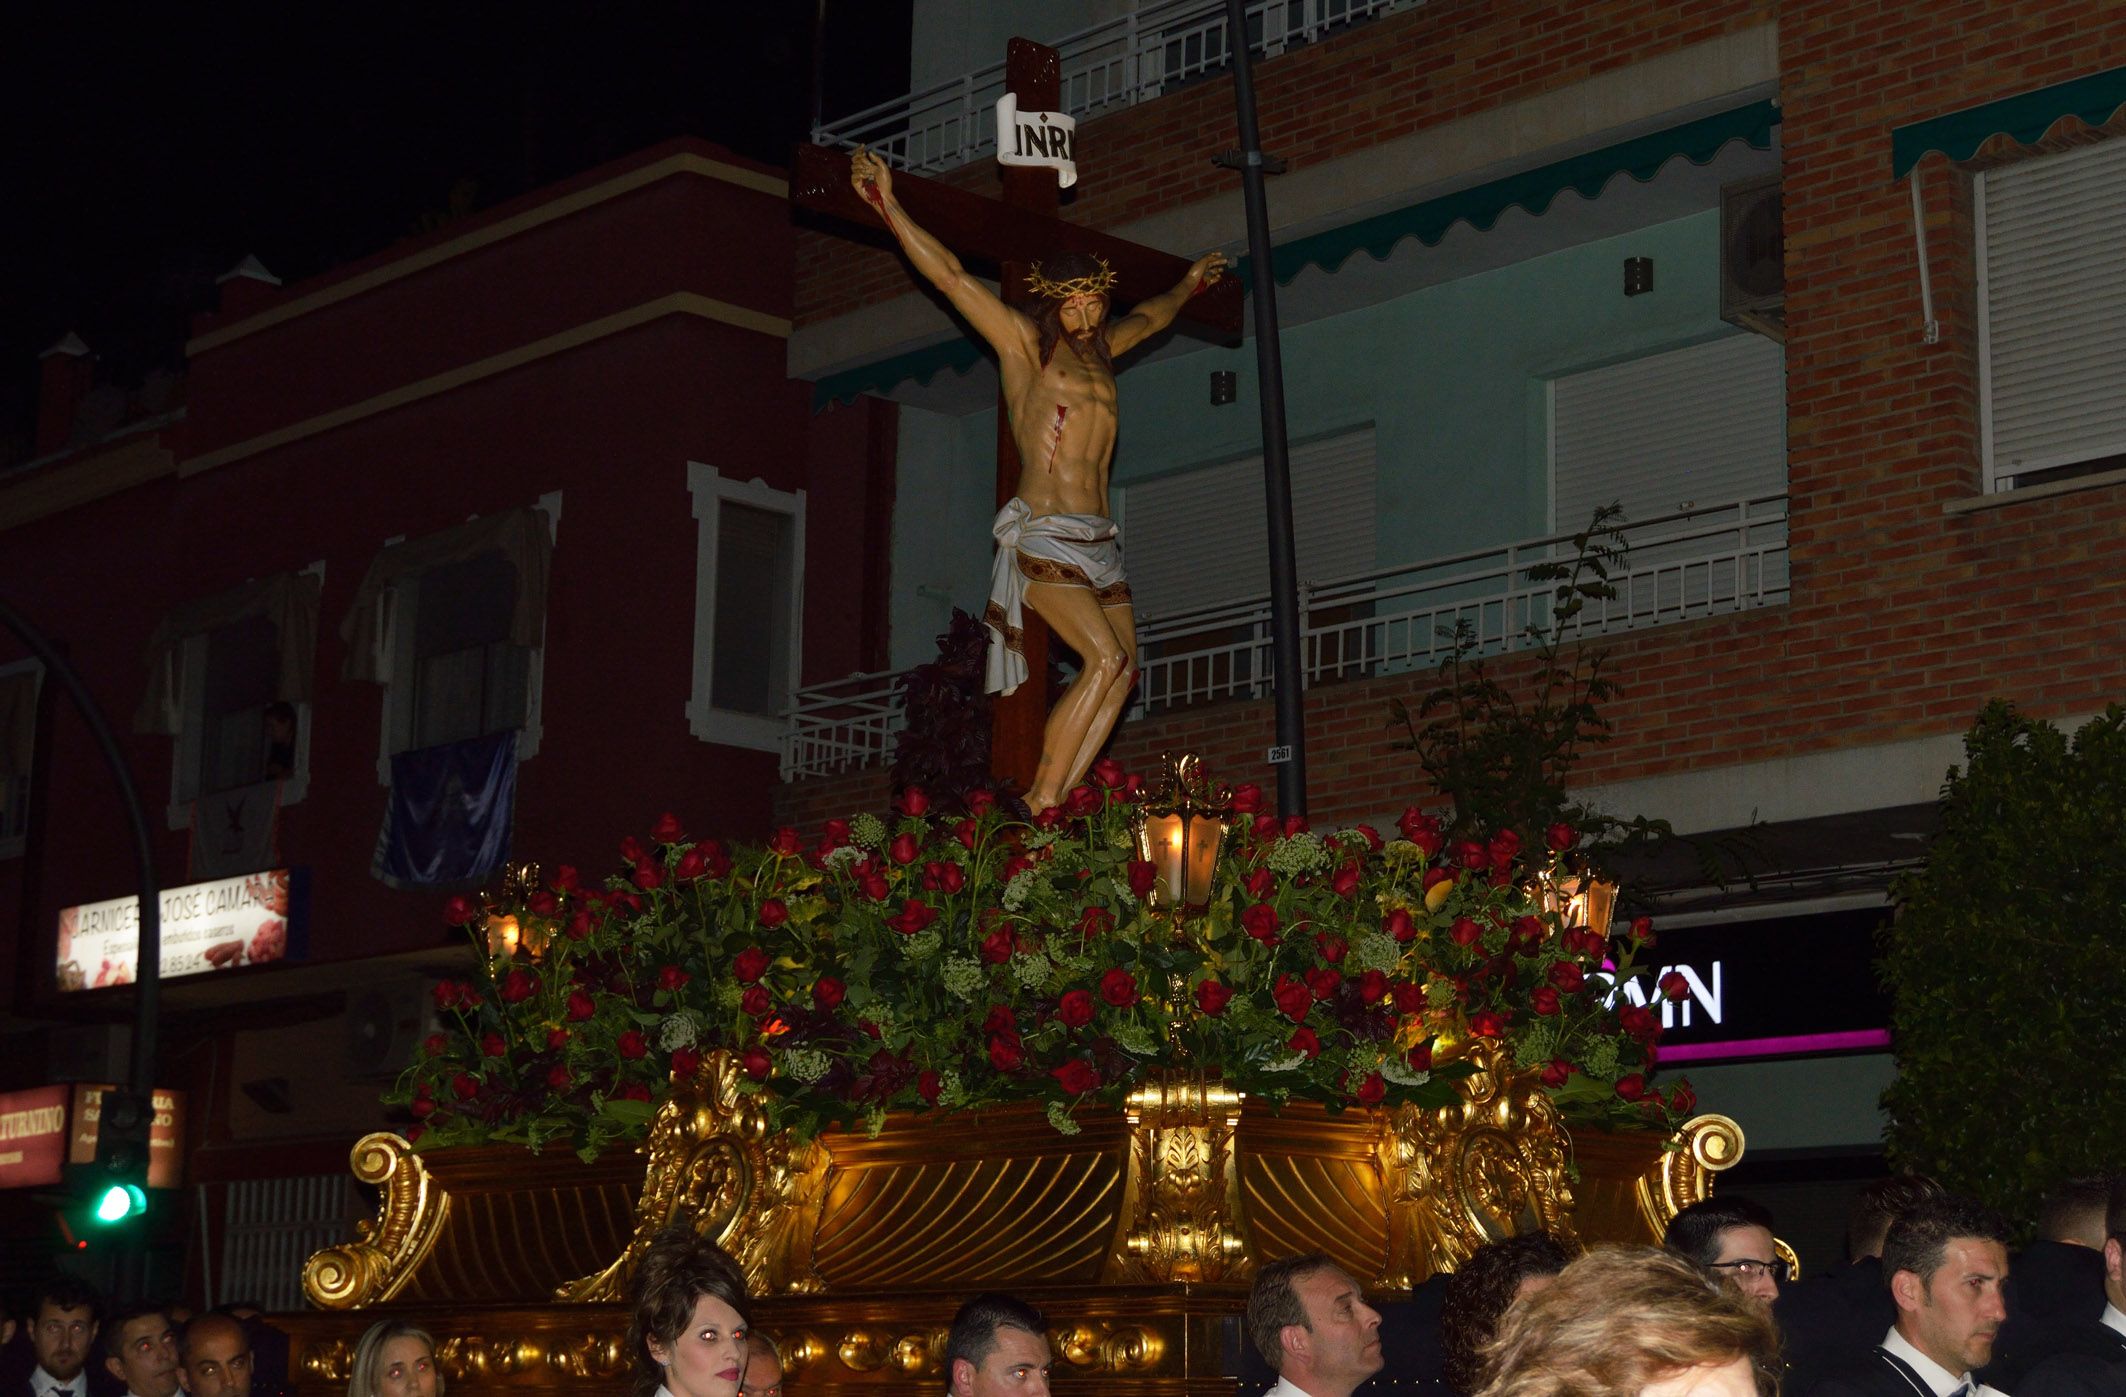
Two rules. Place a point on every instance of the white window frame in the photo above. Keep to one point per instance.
(710, 488)
(185, 748)
(396, 662)
(13, 845)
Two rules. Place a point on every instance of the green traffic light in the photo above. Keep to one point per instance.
(121, 1201)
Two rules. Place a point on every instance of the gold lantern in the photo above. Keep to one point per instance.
(1581, 899)
(506, 934)
(1179, 828)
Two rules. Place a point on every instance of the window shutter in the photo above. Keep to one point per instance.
(1689, 428)
(2052, 308)
(1201, 537)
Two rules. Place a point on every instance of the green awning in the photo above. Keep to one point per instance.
(958, 354)
(1533, 190)
(2025, 117)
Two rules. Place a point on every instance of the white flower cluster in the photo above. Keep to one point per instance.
(921, 946)
(727, 994)
(1398, 1071)
(1059, 1117)
(808, 1065)
(679, 1030)
(1122, 890)
(868, 830)
(843, 858)
(1375, 950)
(1401, 849)
(1018, 889)
(962, 976)
(1439, 993)
(1042, 838)
(951, 1090)
(874, 1121)
(1298, 855)
(1030, 971)
(1285, 1064)
(1132, 1038)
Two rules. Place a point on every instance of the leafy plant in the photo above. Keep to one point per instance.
(944, 745)
(2006, 965)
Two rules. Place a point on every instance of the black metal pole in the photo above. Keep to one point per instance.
(1276, 459)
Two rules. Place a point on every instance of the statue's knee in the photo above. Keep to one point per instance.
(1111, 666)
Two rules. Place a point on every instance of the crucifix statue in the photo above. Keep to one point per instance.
(1058, 554)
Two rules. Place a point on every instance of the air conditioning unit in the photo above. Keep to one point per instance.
(1753, 257)
(385, 1025)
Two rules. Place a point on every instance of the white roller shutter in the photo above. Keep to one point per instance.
(1687, 429)
(2052, 311)
(1200, 537)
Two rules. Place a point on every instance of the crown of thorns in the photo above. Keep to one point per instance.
(1091, 284)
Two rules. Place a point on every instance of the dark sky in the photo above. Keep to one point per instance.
(148, 148)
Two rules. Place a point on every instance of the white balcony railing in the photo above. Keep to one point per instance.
(1130, 59)
(1693, 563)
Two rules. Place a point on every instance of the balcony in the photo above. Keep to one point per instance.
(1702, 562)
(1130, 59)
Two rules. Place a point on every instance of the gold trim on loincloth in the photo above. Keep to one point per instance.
(996, 620)
(1057, 574)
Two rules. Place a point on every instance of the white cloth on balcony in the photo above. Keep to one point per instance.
(1063, 550)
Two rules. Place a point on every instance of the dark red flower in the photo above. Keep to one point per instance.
(1247, 799)
(557, 1038)
(1077, 1076)
(905, 849)
(746, 967)
(1142, 876)
(914, 916)
(1419, 1057)
(874, 886)
(1304, 1041)
(1333, 948)
(464, 1086)
(1485, 1024)
(982, 801)
(692, 864)
(1504, 845)
(647, 875)
(1422, 830)
(1095, 921)
(774, 911)
(1082, 801)
(566, 879)
(1683, 1100)
(1005, 1054)
(1372, 1089)
(1077, 1008)
(1261, 884)
(517, 986)
(462, 910)
(1567, 976)
(829, 992)
(1544, 1000)
(1293, 997)
(491, 1045)
(1642, 930)
(1265, 826)
(543, 904)
(1675, 986)
(1323, 981)
(668, 830)
(579, 925)
(1108, 772)
(1465, 932)
(557, 1078)
(913, 801)
(1261, 922)
(632, 1044)
(1631, 1086)
(1370, 835)
(1400, 924)
(580, 1006)
(928, 1084)
(1560, 837)
(1373, 986)
(756, 1001)
(1344, 883)
(1294, 825)
(998, 946)
(967, 832)
(786, 843)
(685, 1062)
(435, 1044)
(1211, 997)
(1557, 1070)
(1119, 988)
(422, 1108)
(633, 850)
(1471, 855)
(1409, 998)
(951, 878)
(635, 1091)
(1000, 1020)
(757, 1064)
(1639, 1021)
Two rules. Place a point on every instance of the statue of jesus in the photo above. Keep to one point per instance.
(1058, 551)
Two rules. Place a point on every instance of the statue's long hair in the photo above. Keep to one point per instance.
(1048, 317)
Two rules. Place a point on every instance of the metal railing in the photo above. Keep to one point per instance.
(1126, 60)
(1682, 566)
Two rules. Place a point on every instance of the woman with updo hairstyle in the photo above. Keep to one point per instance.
(691, 1319)
(1633, 1322)
(395, 1359)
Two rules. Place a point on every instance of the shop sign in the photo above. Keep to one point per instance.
(250, 920)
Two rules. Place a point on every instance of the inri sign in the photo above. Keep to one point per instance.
(1036, 138)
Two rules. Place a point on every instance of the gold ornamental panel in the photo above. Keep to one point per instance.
(1311, 1181)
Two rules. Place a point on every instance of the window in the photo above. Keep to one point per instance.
(231, 678)
(20, 683)
(748, 608)
(468, 679)
(2051, 301)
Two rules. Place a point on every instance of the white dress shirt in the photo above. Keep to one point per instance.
(1939, 1379)
(2115, 1319)
(43, 1384)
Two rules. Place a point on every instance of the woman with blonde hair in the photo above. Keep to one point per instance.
(395, 1359)
(1633, 1322)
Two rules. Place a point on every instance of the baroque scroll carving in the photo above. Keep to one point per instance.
(1492, 1165)
(385, 1253)
(717, 1166)
(1182, 1213)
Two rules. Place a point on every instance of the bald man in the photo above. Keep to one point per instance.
(216, 1358)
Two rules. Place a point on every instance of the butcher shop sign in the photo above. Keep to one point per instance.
(232, 922)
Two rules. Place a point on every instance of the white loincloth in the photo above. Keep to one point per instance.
(1064, 550)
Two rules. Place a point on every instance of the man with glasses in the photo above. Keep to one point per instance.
(1731, 1237)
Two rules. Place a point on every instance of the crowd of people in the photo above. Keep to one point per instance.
(1929, 1303)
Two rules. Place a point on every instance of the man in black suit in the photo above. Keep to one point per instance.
(140, 1350)
(2059, 1280)
(1834, 1320)
(62, 1325)
(2090, 1358)
(1946, 1262)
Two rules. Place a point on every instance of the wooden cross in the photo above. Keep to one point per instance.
(1011, 234)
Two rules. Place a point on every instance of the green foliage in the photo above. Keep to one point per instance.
(2007, 966)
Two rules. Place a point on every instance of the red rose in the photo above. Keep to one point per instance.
(1465, 932)
(491, 1045)
(1504, 845)
(967, 832)
(1631, 1086)
(1293, 997)
(1560, 837)
(692, 864)
(981, 802)
(757, 1064)
(566, 879)
(928, 1084)
(1639, 1021)
(1345, 881)
(1409, 998)
(1076, 1010)
(1261, 884)
(1261, 921)
(1095, 921)
(1076, 1076)
(1568, 977)
(747, 967)
(580, 1006)
(786, 843)
(1544, 999)
(632, 1044)
(913, 801)
(462, 910)
(1265, 826)
(755, 1002)
(1471, 855)
(1642, 930)
(517, 986)
(464, 1086)
(1683, 1100)
(1485, 1024)
(668, 830)
(1558, 1069)
(647, 875)
(1247, 799)
(1400, 925)
(952, 878)
(1672, 984)
(1419, 1058)
(1527, 935)
(875, 886)
(1304, 1041)
(914, 916)
(905, 849)
(635, 1091)
(1372, 987)
(580, 924)
(1333, 948)
(422, 1108)
(1142, 876)
(557, 1078)
(1000, 1020)
(829, 992)
(685, 1062)
(1119, 988)
(998, 945)
(543, 904)
(1108, 772)
(632, 850)
(1372, 1089)
(1322, 982)
(557, 1038)
(1004, 1052)
(1211, 997)
(434, 1044)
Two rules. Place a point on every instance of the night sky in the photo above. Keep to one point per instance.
(149, 148)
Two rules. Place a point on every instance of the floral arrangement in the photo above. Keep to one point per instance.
(928, 961)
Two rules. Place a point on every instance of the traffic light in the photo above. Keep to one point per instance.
(118, 1181)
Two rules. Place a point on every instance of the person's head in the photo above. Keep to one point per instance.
(1878, 1205)
(1498, 1275)
(2074, 1213)
(1732, 1238)
(2115, 1243)
(395, 1359)
(7, 1325)
(691, 1318)
(998, 1347)
(763, 1375)
(1074, 290)
(1634, 1322)
(216, 1357)
(140, 1350)
(1310, 1323)
(1945, 1262)
(63, 1327)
